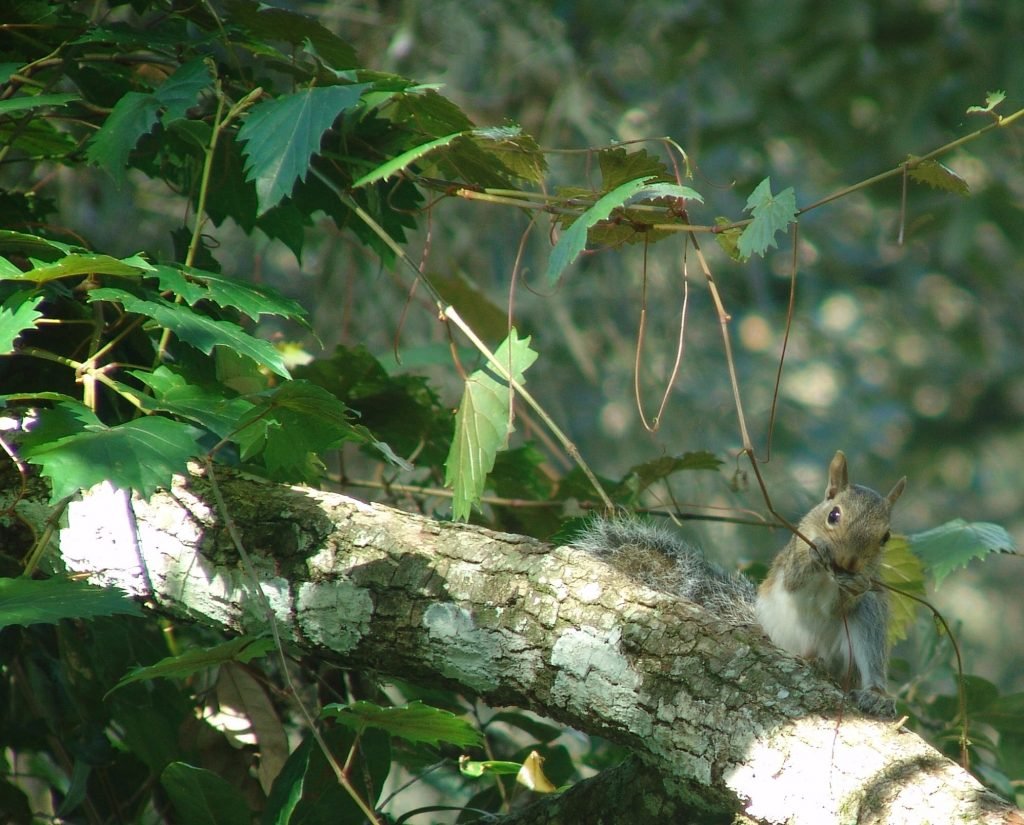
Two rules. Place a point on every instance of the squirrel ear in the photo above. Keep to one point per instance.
(896, 491)
(838, 480)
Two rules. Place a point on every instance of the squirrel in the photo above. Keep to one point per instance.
(819, 601)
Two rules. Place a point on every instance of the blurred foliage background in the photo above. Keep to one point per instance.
(907, 356)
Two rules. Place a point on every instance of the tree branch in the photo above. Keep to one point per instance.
(721, 719)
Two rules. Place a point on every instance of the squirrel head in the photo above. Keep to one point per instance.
(853, 521)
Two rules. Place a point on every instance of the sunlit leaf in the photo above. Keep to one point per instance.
(482, 425)
(134, 115)
(241, 649)
(198, 330)
(141, 455)
(904, 571)
(414, 722)
(18, 314)
(194, 285)
(396, 164)
(952, 545)
(992, 100)
(772, 214)
(283, 134)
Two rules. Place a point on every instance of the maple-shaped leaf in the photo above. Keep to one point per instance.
(772, 214)
(482, 425)
(281, 135)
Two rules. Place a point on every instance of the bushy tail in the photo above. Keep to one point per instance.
(656, 557)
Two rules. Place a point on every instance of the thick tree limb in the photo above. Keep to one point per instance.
(720, 718)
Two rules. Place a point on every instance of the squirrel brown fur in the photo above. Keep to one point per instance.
(821, 600)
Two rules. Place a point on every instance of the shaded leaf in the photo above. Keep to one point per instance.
(242, 649)
(952, 545)
(729, 239)
(201, 797)
(515, 151)
(134, 115)
(212, 409)
(642, 476)
(47, 601)
(180, 92)
(938, 176)
(772, 214)
(141, 455)
(28, 102)
(414, 722)
(619, 166)
(281, 135)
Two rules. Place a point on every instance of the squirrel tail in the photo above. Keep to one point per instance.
(656, 557)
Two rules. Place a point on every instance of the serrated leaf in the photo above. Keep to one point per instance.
(272, 24)
(180, 92)
(25, 103)
(772, 214)
(992, 100)
(197, 330)
(242, 649)
(904, 571)
(18, 314)
(141, 455)
(952, 545)
(47, 601)
(574, 239)
(195, 285)
(209, 408)
(414, 722)
(134, 115)
(642, 476)
(938, 176)
(293, 422)
(82, 263)
(201, 797)
(619, 167)
(283, 134)
(729, 239)
(396, 164)
(482, 425)
(515, 150)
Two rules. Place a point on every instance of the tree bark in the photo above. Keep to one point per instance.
(720, 719)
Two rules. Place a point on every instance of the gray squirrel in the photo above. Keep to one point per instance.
(821, 602)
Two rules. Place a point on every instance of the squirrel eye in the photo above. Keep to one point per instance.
(886, 537)
(835, 515)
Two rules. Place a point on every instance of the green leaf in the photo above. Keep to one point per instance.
(515, 150)
(992, 100)
(772, 214)
(180, 92)
(414, 722)
(76, 264)
(47, 601)
(201, 797)
(642, 476)
(282, 135)
(482, 425)
(574, 239)
(199, 331)
(619, 166)
(17, 314)
(243, 649)
(938, 176)
(1004, 713)
(952, 545)
(195, 285)
(292, 422)
(396, 164)
(133, 116)
(141, 455)
(475, 769)
(729, 239)
(210, 408)
(29, 102)
(904, 571)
